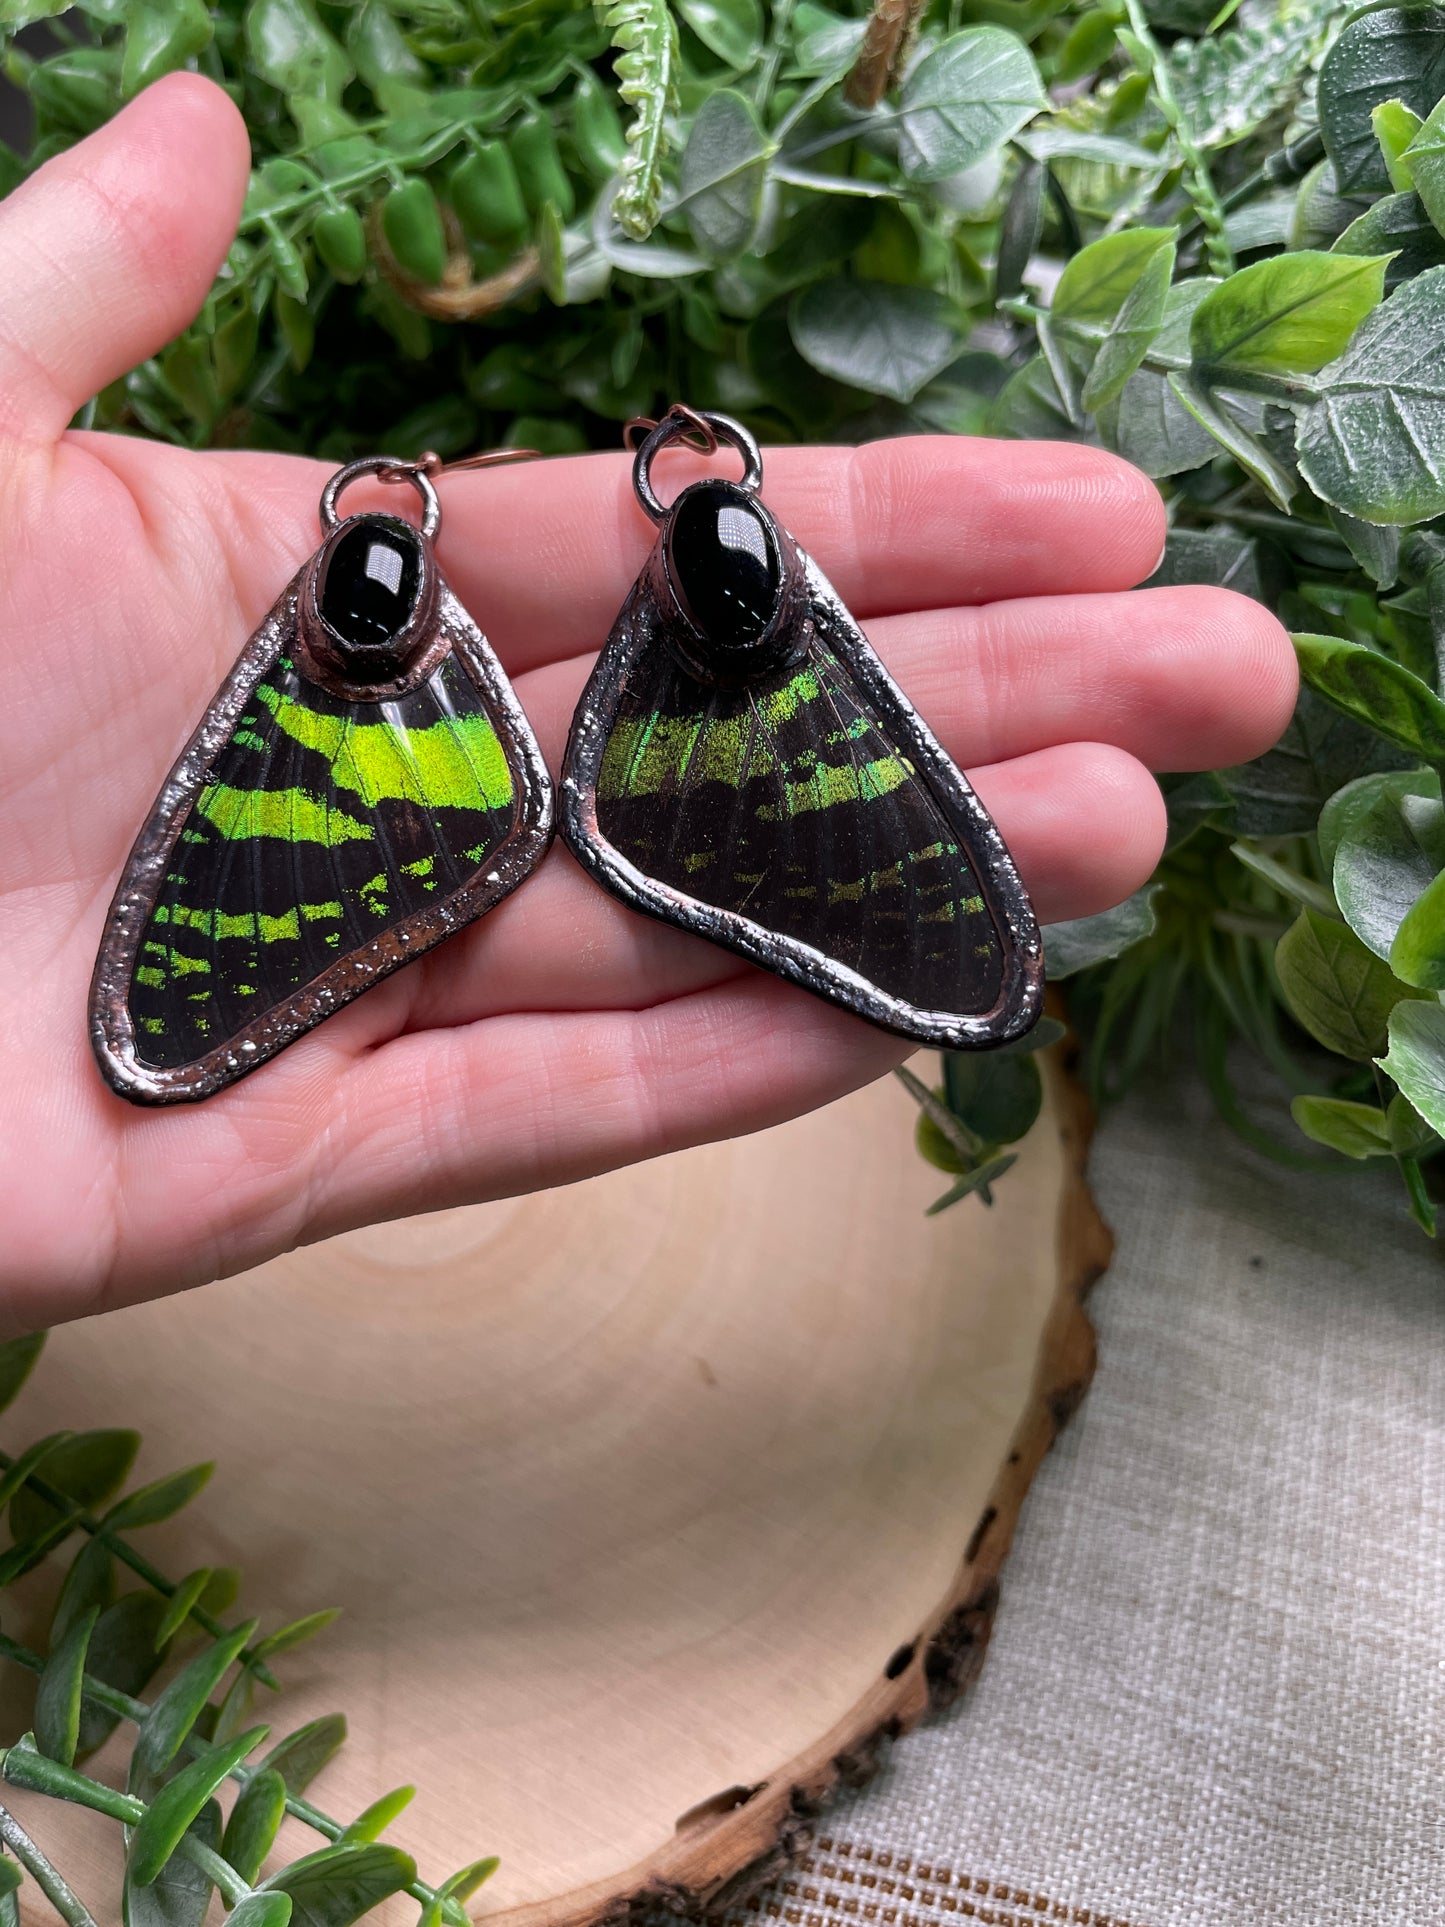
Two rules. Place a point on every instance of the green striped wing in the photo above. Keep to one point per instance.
(789, 804)
(323, 825)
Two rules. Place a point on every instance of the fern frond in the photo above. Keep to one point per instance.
(645, 36)
(1228, 83)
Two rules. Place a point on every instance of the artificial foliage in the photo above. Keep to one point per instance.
(206, 1783)
(1210, 237)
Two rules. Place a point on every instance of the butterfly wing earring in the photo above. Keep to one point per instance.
(742, 765)
(363, 785)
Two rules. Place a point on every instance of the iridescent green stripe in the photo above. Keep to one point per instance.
(291, 813)
(457, 763)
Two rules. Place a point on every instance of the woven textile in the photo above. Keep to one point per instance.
(1216, 1689)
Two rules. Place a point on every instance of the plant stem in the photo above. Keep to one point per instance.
(217, 1869)
(1202, 192)
(139, 1565)
(134, 1710)
(48, 1879)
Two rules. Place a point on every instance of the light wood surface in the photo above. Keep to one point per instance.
(630, 1492)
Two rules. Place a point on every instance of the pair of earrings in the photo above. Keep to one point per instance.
(365, 783)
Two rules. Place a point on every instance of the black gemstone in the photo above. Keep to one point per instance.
(368, 587)
(725, 563)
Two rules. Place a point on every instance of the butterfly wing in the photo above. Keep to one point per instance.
(808, 821)
(305, 846)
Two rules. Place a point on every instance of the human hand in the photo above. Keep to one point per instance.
(562, 1035)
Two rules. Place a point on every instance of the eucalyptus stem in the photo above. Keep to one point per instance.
(134, 1710)
(139, 1565)
(1199, 182)
(48, 1879)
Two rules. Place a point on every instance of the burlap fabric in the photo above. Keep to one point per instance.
(1216, 1691)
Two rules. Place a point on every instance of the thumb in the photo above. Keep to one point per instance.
(108, 250)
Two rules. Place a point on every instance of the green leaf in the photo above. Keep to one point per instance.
(1410, 1135)
(998, 1098)
(1350, 804)
(287, 1638)
(1388, 853)
(1073, 946)
(1096, 281)
(340, 1884)
(965, 98)
(1398, 226)
(180, 1896)
(1154, 430)
(883, 339)
(1377, 691)
(375, 1819)
(1424, 167)
(1290, 883)
(1220, 556)
(1046, 1032)
(160, 36)
(1358, 1130)
(1417, 956)
(292, 50)
(1213, 413)
(1416, 1058)
(123, 1654)
(262, 1910)
(1396, 126)
(1134, 327)
(89, 1585)
(179, 1802)
(1030, 407)
(1375, 547)
(30, 1460)
(1382, 54)
(178, 1608)
(17, 1359)
(397, 79)
(1282, 792)
(10, 1877)
(972, 1181)
(1374, 441)
(176, 1710)
(88, 1468)
(254, 1823)
(731, 29)
(58, 1696)
(1339, 990)
(724, 169)
(235, 1709)
(161, 1499)
(462, 1884)
(302, 1754)
(459, 1887)
(1287, 315)
(1020, 228)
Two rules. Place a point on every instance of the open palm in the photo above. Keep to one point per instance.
(562, 1034)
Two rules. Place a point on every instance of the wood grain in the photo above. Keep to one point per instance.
(656, 1506)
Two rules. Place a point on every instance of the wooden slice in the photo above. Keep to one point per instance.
(654, 1505)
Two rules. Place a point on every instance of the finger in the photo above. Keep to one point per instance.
(544, 553)
(1182, 678)
(532, 1101)
(1084, 822)
(107, 252)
